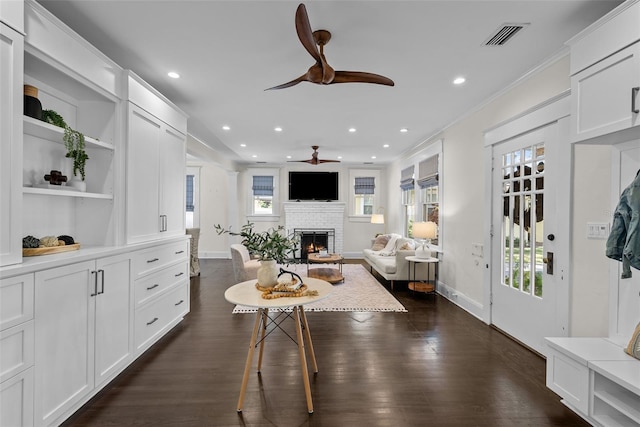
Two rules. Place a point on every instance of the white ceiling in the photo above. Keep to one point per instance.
(228, 52)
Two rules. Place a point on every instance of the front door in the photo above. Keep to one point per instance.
(524, 272)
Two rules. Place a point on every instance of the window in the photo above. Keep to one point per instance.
(192, 209)
(428, 181)
(262, 195)
(408, 198)
(364, 195)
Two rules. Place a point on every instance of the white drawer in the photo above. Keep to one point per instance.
(16, 349)
(153, 318)
(16, 400)
(16, 300)
(150, 260)
(155, 283)
(570, 379)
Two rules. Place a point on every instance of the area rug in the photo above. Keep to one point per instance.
(360, 291)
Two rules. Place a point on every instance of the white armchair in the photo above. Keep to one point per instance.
(244, 268)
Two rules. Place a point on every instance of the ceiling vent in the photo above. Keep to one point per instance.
(503, 34)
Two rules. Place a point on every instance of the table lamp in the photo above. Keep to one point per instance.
(425, 231)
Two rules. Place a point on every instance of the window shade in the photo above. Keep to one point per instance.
(189, 193)
(406, 178)
(428, 172)
(262, 185)
(365, 185)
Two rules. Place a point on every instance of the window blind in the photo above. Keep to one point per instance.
(428, 172)
(189, 193)
(365, 185)
(262, 185)
(406, 178)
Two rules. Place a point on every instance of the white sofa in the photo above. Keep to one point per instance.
(390, 262)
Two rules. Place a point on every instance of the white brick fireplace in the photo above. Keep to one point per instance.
(316, 215)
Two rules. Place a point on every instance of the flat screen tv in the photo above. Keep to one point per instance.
(313, 186)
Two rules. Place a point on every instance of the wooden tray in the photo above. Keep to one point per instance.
(50, 250)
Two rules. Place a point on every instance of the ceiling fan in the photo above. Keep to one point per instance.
(321, 72)
(314, 160)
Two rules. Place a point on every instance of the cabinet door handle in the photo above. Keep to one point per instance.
(179, 302)
(634, 97)
(95, 283)
(153, 287)
(179, 252)
(155, 319)
(102, 280)
(149, 261)
(179, 274)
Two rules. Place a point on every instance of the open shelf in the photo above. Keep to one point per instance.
(65, 193)
(47, 131)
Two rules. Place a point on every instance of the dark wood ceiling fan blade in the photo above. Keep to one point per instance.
(361, 77)
(303, 28)
(328, 161)
(294, 82)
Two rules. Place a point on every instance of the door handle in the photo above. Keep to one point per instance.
(95, 283)
(634, 97)
(549, 261)
(101, 272)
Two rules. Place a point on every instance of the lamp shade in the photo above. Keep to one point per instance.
(424, 230)
(377, 218)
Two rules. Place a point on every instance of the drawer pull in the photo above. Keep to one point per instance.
(179, 252)
(155, 319)
(149, 261)
(179, 302)
(179, 274)
(634, 96)
(153, 287)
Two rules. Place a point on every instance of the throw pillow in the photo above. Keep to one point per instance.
(406, 245)
(634, 344)
(380, 242)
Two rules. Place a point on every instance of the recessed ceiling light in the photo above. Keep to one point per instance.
(459, 80)
(352, 130)
(225, 127)
(386, 146)
(243, 145)
(278, 129)
(339, 157)
(288, 157)
(254, 156)
(373, 157)
(404, 130)
(173, 75)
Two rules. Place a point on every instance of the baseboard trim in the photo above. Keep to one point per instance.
(461, 300)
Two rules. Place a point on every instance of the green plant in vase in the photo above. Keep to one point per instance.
(73, 142)
(271, 246)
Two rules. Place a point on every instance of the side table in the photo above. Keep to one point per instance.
(331, 275)
(245, 293)
(423, 285)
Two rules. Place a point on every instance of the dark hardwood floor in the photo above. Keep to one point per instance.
(433, 366)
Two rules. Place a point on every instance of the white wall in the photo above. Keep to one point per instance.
(463, 178)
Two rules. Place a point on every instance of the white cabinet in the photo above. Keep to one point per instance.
(605, 75)
(11, 70)
(161, 291)
(82, 332)
(606, 96)
(156, 162)
(16, 351)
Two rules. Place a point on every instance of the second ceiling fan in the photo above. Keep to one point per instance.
(321, 72)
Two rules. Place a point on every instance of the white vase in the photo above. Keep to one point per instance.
(77, 184)
(268, 273)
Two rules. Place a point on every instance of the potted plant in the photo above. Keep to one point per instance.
(271, 246)
(74, 143)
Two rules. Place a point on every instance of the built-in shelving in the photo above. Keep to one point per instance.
(65, 193)
(47, 131)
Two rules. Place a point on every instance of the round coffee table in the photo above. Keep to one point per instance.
(331, 275)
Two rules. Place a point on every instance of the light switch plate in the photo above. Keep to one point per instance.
(597, 230)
